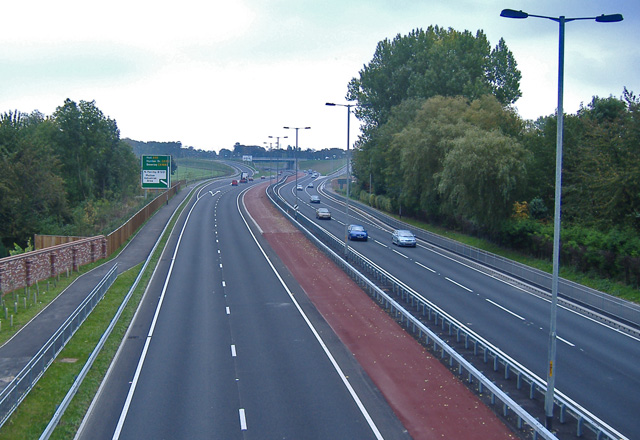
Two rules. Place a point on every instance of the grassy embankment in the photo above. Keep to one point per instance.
(199, 169)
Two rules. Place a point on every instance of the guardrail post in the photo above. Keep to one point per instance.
(532, 390)
(579, 426)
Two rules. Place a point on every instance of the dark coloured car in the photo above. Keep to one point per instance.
(402, 237)
(357, 232)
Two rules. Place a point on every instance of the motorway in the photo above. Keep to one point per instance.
(223, 346)
(597, 366)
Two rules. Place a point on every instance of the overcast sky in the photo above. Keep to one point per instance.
(213, 73)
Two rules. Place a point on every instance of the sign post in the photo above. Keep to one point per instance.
(156, 172)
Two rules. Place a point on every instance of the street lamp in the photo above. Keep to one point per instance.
(551, 377)
(296, 158)
(278, 147)
(346, 224)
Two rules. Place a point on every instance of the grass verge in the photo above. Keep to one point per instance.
(567, 272)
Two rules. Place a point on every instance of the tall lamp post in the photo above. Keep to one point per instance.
(296, 158)
(278, 147)
(346, 223)
(551, 376)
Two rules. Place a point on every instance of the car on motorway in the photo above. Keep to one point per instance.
(234, 182)
(299, 188)
(357, 232)
(250, 179)
(314, 199)
(323, 213)
(310, 185)
(262, 177)
(403, 237)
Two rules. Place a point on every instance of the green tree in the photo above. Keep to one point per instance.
(32, 194)
(607, 181)
(417, 154)
(481, 176)
(429, 63)
(95, 162)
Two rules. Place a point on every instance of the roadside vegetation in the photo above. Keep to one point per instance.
(446, 147)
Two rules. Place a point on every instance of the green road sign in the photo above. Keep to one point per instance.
(156, 172)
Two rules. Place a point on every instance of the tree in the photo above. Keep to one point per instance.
(428, 63)
(95, 162)
(32, 195)
(607, 181)
(481, 176)
(417, 156)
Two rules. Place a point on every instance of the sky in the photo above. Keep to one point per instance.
(216, 72)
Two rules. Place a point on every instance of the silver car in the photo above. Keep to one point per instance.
(403, 237)
(323, 213)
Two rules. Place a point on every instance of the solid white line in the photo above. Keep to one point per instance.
(458, 284)
(428, 268)
(233, 350)
(506, 310)
(243, 420)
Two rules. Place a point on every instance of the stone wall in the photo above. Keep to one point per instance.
(19, 271)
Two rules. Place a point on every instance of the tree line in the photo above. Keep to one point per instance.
(61, 174)
(442, 142)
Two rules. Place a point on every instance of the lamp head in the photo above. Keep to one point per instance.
(611, 18)
(512, 13)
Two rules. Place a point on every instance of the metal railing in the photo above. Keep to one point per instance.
(413, 311)
(25, 380)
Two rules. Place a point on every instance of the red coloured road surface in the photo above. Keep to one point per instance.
(429, 400)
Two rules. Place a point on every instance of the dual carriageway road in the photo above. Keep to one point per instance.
(229, 354)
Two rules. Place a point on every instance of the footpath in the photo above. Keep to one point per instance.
(18, 351)
(430, 401)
